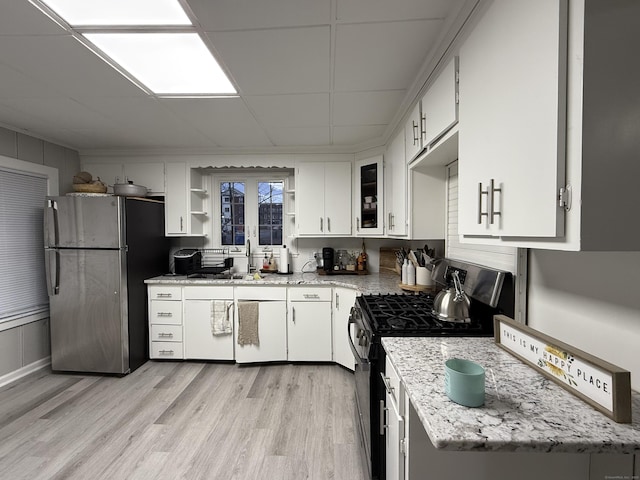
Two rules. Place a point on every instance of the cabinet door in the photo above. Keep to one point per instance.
(150, 175)
(199, 341)
(512, 120)
(337, 199)
(414, 134)
(309, 332)
(176, 199)
(439, 105)
(396, 188)
(310, 199)
(343, 301)
(394, 438)
(369, 197)
(272, 333)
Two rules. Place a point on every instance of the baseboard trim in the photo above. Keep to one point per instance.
(24, 371)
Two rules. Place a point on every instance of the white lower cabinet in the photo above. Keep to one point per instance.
(200, 342)
(343, 301)
(165, 322)
(272, 324)
(309, 326)
(392, 412)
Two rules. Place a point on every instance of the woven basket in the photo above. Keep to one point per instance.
(90, 187)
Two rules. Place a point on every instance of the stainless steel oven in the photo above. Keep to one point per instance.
(376, 316)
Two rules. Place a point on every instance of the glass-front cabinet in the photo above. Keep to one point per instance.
(369, 207)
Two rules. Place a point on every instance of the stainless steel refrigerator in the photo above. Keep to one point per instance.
(98, 252)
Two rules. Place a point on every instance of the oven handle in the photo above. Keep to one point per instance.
(363, 362)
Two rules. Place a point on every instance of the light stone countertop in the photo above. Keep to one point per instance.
(523, 410)
(374, 283)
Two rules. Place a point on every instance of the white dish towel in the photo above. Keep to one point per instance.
(220, 317)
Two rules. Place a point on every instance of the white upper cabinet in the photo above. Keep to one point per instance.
(563, 161)
(323, 199)
(368, 198)
(512, 123)
(395, 186)
(175, 214)
(440, 104)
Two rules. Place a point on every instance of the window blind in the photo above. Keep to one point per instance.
(22, 278)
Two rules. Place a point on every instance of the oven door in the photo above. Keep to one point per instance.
(359, 340)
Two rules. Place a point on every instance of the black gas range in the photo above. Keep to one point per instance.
(374, 317)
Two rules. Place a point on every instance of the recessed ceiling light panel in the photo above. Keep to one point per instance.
(119, 12)
(167, 63)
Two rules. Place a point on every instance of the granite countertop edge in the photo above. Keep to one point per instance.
(373, 283)
(523, 412)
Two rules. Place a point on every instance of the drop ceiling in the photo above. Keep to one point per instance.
(334, 75)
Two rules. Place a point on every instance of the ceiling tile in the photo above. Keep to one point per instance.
(304, 110)
(382, 56)
(66, 65)
(243, 14)
(292, 60)
(352, 135)
(22, 18)
(366, 108)
(16, 85)
(384, 10)
(299, 136)
(226, 121)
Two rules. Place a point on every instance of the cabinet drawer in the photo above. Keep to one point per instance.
(208, 293)
(261, 293)
(166, 350)
(164, 292)
(392, 384)
(166, 333)
(310, 294)
(166, 312)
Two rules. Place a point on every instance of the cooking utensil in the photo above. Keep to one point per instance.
(129, 190)
(452, 304)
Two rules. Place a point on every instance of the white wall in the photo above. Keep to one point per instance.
(590, 300)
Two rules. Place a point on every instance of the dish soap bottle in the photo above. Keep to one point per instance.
(405, 267)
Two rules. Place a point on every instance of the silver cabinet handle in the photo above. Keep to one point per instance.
(415, 132)
(492, 201)
(164, 295)
(387, 384)
(293, 314)
(164, 314)
(358, 224)
(181, 223)
(423, 126)
(166, 352)
(383, 419)
(482, 192)
(328, 224)
(311, 295)
(337, 301)
(165, 335)
(321, 224)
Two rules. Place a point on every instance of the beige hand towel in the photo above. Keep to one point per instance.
(248, 313)
(220, 318)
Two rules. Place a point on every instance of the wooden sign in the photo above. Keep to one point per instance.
(601, 384)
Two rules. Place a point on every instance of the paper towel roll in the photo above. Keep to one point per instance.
(283, 264)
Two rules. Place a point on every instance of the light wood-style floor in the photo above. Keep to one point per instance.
(182, 420)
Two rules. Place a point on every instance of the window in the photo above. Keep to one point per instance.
(23, 188)
(251, 208)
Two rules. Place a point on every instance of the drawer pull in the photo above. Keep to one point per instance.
(165, 335)
(166, 352)
(311, 295)
(164, 295)
(164, 314)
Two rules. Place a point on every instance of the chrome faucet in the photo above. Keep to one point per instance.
(248, 253)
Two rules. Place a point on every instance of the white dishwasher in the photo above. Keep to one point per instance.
(272, 324)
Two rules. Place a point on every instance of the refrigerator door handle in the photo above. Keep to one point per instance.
(52, 267)
(51, 223)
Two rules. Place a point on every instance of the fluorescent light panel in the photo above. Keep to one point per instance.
(119, 12)
(167, 63)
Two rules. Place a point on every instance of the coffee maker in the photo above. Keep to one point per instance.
(327, 259)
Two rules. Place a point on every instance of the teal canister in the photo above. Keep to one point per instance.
(464, 382)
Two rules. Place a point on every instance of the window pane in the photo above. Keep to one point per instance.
(232, 213)
(270, 214)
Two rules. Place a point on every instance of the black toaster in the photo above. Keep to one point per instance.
(187, 261)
